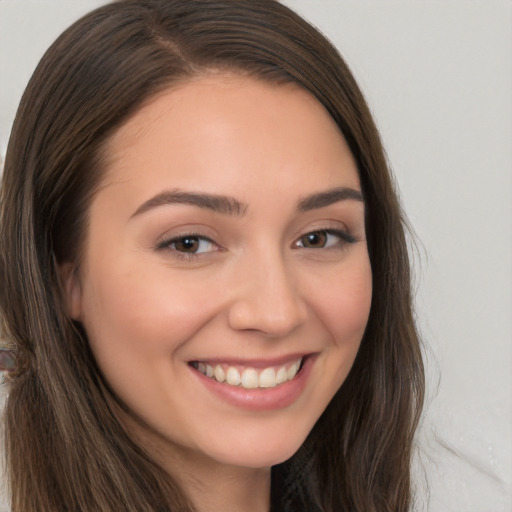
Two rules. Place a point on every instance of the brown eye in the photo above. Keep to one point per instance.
(325, 239)
(188, 244)
(314, 240)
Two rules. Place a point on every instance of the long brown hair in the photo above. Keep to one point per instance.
(66, 448)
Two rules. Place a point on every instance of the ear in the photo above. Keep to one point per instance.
(71, 288)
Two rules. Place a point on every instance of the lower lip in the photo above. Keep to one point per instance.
(260, 399)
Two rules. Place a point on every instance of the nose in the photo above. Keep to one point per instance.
(266, 298)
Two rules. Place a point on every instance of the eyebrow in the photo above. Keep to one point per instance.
(328, 197)
(230, 206)
(216, 203)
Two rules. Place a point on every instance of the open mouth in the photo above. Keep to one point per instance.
(248, 377)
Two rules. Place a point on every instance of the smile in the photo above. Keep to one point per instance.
(249, 378)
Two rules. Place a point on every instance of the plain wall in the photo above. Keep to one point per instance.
(438, 77)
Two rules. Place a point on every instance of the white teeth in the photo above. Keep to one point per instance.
(268, 378)
(292, 371)
(219, 374)
(233, 376)
(282, 375)
(249, 378)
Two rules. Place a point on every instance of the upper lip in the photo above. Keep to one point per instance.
(253, 363)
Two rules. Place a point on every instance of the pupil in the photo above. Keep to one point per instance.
(317, 239)
(187, 244)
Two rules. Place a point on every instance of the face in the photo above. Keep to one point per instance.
(225, 283)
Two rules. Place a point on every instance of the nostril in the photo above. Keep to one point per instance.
(269, 319)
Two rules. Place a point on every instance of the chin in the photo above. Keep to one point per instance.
(259, 451)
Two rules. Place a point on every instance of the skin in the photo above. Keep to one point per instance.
(254, 290)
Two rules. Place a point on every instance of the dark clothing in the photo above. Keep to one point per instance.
(290, 489)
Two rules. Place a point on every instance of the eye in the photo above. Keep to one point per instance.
(324, 239)
(188, 244)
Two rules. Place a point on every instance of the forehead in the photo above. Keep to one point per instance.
(212, 126)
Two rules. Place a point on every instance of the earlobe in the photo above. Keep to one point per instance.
(72, 293)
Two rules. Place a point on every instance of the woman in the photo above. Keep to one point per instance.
(205, 274)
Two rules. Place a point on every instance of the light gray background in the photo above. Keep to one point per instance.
(438, 77)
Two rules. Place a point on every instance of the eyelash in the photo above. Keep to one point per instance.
(166, 244)
(344, 238)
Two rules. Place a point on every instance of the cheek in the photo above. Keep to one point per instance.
(137, 324)
(136, 319)
(344, 305)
